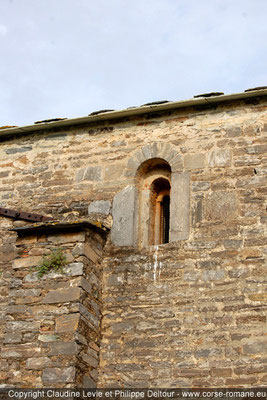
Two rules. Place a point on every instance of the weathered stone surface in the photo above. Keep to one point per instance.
(90, 253)
(88, 382)
(233, 132)
(122, 232)
(74, 269)
(67, 348)
(59, 375)
(31, 261)
(67, 238)
(19, 351)
(219, 158)
(38, 363)
(78, 249)
(189, 313)
(194, 161)
(113, 172)
(92, 174)
(23, 326)
(15, 150)
(200, 186)
(67, 323)
(89, 316)
(255, 348)
(3, 365)
(258, 297)
(90, 361)
(221, 206)
(99, 207)
(13, 338)
(83, 283)
(62, 295)
(213, 275)
(179, 209)
(48, 338)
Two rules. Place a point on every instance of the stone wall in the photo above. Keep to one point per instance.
(185, 316)
(190, 313)
(51, 329)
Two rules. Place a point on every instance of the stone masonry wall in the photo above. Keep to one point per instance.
(61, 172)
(51, 328)
(185, 316)
(192, 313)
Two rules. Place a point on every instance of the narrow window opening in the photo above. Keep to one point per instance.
(154, 187)
(165, 219)
(159, 211)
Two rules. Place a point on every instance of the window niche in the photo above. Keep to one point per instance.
(154, 187)
(154, 207)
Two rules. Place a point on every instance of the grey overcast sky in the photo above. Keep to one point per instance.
(67, 58)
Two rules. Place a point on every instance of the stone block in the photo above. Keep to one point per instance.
(200, 186)
(213, 275)
(26, 262)
(23, 326)
(122, 232)
(221, 206)
(26, 240)
(37, 363)
(88, 382)
(258, 297)
(89, 316)
(219, 158)
(99, 207)
(21, 149)
(233, 132)
(19, 309)
(67, 323)
(115, 280)
(194, 161)
(90, 361)
(83, 283)
(62, 295)
(221, 372)
(66, 348)
(92, 174)
(197, 212)
(255, 348)
(67, 238)
(257, 149)
(20, 351)
(13, 338)
(32, 277)
(90, 253)
(114, 172)
(59, 375)
(3, 366)
(79, 175)
(78, 249)
(180, 207)
(74, 269)
(48, 338)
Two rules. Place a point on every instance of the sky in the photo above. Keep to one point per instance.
(68, 58)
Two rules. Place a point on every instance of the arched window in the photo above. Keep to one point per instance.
(143, 213)
(154, 186)
(160, 211)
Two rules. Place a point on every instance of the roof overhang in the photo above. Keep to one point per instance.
(132, 112)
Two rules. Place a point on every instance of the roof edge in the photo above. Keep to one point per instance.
(105, 116)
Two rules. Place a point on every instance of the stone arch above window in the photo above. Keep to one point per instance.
(155, 150)
(152, 162)
(153, 182)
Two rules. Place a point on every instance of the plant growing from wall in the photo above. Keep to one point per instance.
(53, 262)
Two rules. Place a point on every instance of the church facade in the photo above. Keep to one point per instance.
(159, 215)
